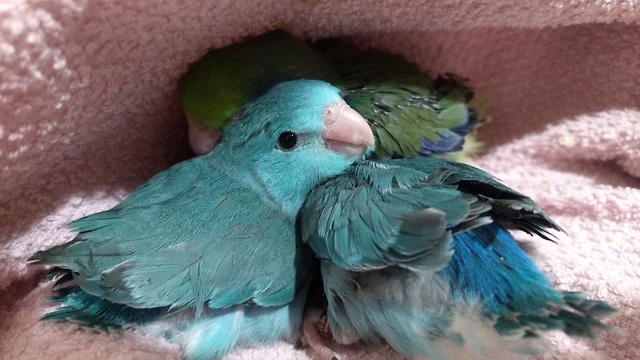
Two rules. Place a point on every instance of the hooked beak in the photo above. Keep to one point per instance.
(347, 132)
(201, 138)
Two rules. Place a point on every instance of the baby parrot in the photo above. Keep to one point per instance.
(409, 113)
(206, 253)
(417, 252)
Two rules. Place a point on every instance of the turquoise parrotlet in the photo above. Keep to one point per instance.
(418, 252)
(205, 253)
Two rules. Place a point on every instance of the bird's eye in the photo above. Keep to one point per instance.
(287, 141)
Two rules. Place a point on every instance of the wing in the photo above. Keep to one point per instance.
(409, 120)
(185, 239)
(488, 265)
(376, 216)
(508, 207)
(409, 113)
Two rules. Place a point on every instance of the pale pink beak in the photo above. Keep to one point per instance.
(347, 131)
(202, 139)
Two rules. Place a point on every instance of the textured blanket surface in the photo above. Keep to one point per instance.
(89, 110)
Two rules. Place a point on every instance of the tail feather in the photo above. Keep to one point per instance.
(207, 337)
(96, 313)
(220, 330)
(211, 338)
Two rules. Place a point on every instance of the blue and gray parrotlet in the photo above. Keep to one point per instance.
(417, 252)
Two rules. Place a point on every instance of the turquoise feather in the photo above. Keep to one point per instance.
(209, 244)
(409, 247)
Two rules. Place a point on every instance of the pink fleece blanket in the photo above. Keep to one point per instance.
(89, 110)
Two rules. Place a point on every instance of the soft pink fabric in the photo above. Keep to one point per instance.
(89, 110)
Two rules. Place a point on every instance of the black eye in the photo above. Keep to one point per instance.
(287, 141)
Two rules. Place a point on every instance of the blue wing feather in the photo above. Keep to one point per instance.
(432, 247)
(488, 264)
(140, 254)
(369, 219)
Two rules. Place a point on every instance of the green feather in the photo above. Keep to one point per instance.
(401, 103)
(218, 84)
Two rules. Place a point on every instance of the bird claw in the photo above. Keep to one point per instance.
(318, 335)
(299, 344)
(322, 326)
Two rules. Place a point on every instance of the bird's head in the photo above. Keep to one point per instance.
(296, 135)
